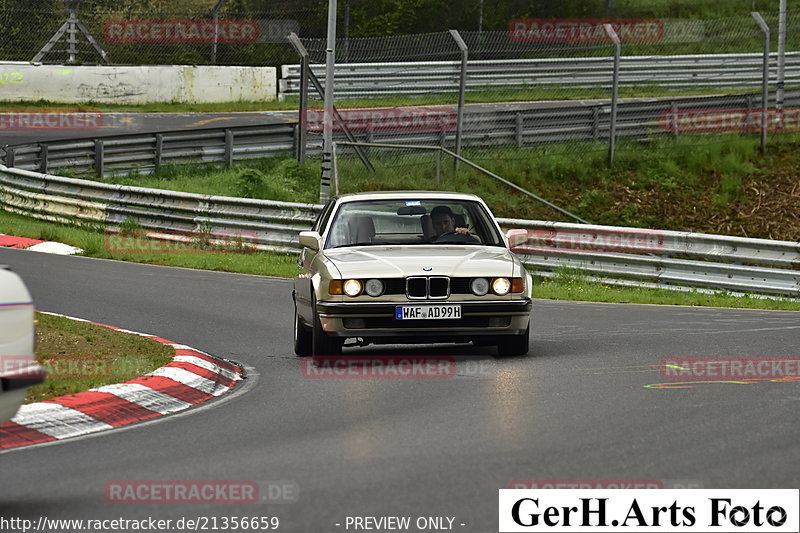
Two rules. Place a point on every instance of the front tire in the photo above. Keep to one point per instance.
(514, 345)
(322, 343)
(302, 336)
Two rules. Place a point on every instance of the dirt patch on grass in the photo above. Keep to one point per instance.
(762, 204)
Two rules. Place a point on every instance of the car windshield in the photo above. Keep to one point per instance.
(412, 221)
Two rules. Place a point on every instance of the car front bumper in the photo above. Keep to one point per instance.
(377, 319)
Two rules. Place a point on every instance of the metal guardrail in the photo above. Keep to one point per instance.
(729, 71)
(119, 153)
(669, 258)
(484, 126)
(525, 125)
(660, 256)
(267, 225)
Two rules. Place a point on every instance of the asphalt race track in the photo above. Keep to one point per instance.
(577, 408)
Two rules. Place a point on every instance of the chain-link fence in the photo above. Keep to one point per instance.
(423, 115)
(520, 80)
(544, 88)
(146, 32)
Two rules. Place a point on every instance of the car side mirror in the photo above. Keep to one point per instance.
(515, 238)
(310, 239)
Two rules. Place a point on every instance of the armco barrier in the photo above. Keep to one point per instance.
(267, 225)
(719, 71)
(120, 153)
(660, 256)
(669, 258)
(484, 126)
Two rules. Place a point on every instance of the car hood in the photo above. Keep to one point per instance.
(442, 260)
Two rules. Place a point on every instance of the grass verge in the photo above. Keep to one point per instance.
(79, 356)
(724, 180)
(703, 183)
(94, 243)
(565, 286)
(572, 287)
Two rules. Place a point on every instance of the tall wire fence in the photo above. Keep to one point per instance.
(147, 33)
(518, 88)
(544, 88)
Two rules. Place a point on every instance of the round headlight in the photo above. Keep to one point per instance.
(501, 286)
(352, 287)
(374, 287)
(479, 286)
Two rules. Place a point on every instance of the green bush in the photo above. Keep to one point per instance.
(250, 183)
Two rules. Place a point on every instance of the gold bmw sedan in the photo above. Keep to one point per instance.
(409, 267)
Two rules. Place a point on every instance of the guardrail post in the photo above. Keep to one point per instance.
(10, 156)
(462, 89)
(228, 147)
(764, 80)
(518, 127)
(99, 158)
(43, 149)
(296, 141)
(614, 93)
(596, 123)
(159, 150)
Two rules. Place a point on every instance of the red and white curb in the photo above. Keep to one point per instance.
(190, 378)
(36, 245)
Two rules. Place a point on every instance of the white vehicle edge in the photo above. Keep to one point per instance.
(18, 367)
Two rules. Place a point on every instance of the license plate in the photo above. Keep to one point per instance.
(427, 312)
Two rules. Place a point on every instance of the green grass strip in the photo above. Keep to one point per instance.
(94, 243)
(563, 287)
(577, 289)
(79, 356)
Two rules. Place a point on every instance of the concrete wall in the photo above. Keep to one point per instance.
(136, 85)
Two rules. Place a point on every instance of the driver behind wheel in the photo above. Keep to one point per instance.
(444, 221)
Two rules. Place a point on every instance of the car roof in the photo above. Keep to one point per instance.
(408, 195)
